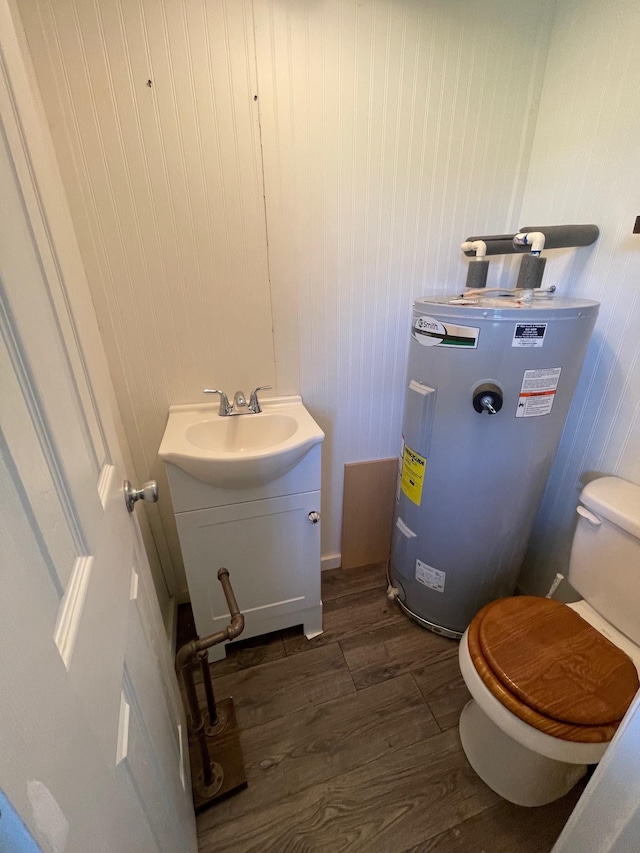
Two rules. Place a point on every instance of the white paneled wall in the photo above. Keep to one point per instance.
(391, 130)
(584, 168)
(152, 111)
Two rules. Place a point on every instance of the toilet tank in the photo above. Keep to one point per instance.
(605, 557)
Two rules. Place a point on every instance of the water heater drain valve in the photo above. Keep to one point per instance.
(487, 397)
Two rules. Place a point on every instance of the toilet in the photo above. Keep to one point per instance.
(550, 682)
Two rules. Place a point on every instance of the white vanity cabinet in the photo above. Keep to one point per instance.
(268, 537)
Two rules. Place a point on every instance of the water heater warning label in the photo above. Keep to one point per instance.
(433, 578)
(538, 392)
(412, 476)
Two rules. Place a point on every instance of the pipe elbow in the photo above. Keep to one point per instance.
(186, 654)
(535, 239)
(477, 246)
(235, 627)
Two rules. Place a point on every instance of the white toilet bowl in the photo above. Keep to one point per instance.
(520, 763)
(548, 693)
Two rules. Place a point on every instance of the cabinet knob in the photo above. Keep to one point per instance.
(314, 517)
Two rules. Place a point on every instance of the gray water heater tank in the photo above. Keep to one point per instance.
(489, 385)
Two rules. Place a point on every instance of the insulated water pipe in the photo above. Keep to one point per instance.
(563, 236)
(529, 242)
(497, 244)
(479, 266)
(532, 265)
(556, 237)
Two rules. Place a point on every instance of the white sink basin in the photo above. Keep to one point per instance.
(239, 450)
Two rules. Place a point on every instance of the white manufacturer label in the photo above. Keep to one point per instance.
(433, 578)
(538, 392)
(529, 335)
(432, 333)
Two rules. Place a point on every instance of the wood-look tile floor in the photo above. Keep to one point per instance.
(351, 742)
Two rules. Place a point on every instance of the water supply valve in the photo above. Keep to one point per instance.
(487, 397)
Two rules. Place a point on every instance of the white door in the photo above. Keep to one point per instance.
(607, 816)
(92, 737)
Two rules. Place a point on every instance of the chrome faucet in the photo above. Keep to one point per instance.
(239, 405)
(225, 407)
(254, 403)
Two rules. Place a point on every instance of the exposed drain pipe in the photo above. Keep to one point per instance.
(212, 772)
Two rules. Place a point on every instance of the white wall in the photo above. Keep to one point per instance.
(390, 130)
(384, 132)
(584, 168)
(165, 187)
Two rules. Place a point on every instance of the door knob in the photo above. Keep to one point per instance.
(148, 492)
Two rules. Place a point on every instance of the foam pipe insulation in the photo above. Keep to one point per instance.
(531, 272)
(479, 267)
(565, 236)
(497, 244)
(556, 237)
(477, 275)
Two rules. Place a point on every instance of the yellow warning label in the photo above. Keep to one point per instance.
(413, 468)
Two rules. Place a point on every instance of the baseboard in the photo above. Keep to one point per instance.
(331, 561)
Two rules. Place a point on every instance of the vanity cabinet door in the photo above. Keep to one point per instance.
(272, 550)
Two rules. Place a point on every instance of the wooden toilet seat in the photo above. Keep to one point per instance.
(550, 668)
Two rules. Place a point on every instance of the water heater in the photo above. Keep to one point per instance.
(489, 385)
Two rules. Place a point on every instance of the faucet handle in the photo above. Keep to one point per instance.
(225, 408)
(254, 403)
